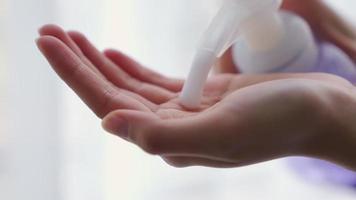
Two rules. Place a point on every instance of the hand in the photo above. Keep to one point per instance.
(323, 20)
(326, 23)
(243, 119)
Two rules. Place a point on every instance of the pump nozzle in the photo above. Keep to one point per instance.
(256, 21)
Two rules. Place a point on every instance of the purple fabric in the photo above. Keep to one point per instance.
(334, 61)
(320, 171)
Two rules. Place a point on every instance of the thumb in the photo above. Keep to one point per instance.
(203, 134)
(122, 122)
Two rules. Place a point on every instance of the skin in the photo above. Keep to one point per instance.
(242, 120)
(325, 23)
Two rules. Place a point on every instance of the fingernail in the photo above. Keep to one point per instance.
(117, 126)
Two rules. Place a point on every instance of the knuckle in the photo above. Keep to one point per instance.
(77, 70)
(109, 95)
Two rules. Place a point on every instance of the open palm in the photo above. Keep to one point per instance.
(111, 80)
(243, 119)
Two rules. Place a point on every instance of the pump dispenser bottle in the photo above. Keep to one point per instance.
(267, 40)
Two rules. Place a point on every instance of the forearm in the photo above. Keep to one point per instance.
(347, 153)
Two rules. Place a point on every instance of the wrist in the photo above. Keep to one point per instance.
(336, 137)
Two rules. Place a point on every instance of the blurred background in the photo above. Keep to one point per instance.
(52, 146)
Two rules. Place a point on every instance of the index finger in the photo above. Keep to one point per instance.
(100, 95)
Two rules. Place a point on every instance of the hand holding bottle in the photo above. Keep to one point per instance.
(326, 23)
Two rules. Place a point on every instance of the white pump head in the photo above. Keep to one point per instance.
(256, 21)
